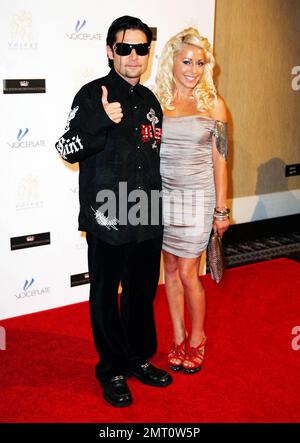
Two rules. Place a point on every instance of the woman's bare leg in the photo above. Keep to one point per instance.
(175, 296)
(194, 295)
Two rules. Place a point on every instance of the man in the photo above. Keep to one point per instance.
(114, 131)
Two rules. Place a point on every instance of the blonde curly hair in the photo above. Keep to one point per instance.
(205, 92)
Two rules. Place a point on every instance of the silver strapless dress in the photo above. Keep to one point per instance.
(188, 181)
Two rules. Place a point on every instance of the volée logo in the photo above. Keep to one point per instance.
(85, 76)
(22, 32)
(28, 195)
(28, 291)
(79, 25)
(74, 190)
(77, 35)
(20, 143)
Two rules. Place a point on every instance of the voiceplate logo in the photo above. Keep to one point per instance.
(80, 25)
(22, 133)
(27, 284)
(77, 35)
(29, 291)
(23, 142)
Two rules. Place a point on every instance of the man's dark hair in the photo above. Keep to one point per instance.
(122, 24)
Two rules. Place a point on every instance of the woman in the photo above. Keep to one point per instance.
(194, 173)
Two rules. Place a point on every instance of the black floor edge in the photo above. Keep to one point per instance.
(261, 240)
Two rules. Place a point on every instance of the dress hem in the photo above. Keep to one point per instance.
(171, 251)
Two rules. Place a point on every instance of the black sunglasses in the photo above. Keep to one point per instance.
(126, 48)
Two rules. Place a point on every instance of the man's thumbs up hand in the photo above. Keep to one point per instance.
(113, 110)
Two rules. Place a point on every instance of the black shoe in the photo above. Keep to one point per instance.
(150, 375)
(116, 391)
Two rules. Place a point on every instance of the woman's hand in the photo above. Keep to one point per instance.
(220, 226)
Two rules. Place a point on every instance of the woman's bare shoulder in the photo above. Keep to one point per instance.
(219, 112)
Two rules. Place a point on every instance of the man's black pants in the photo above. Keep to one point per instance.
(124, 330)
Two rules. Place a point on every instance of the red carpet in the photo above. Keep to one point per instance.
(251, 373)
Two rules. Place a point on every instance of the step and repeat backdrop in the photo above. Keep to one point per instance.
(49, 49)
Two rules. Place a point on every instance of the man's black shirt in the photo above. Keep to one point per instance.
(119, 160)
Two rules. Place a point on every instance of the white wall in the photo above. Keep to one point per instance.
(39, 192)
(263, 206)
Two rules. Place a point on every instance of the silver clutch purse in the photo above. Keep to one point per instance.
(216, 257)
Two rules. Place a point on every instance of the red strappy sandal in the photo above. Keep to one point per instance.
(194, 358)
(177, 356)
